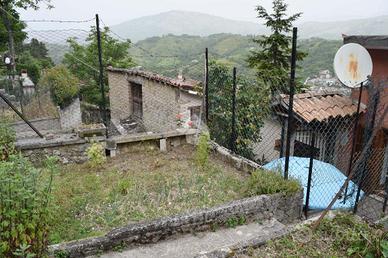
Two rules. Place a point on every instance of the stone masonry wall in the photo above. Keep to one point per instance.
(73, 151)
(119, 96)
(71, 117)
(284, 208)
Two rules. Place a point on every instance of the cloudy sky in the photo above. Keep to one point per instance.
(117, 11)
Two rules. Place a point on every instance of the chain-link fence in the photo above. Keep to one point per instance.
(81, 78)
(49, 85)
(328, 133)
(58, 81)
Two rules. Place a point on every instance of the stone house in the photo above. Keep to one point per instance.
(151, 102)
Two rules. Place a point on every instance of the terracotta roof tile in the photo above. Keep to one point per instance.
(322, 106)
(184, 83)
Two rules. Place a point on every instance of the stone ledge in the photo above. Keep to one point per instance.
(264, 207)
(237, 161)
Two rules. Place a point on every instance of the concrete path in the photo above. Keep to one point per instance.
(201, 243)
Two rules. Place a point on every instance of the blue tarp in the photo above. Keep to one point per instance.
(325, 184)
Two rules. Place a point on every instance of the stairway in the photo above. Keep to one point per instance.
(219, 243)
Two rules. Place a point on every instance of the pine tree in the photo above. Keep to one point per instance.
(272, 61)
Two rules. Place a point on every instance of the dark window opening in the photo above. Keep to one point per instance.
(194, 115)
(303, 150)
(137, 100)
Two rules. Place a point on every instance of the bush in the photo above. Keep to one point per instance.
(268, 182)
(96, 154)
(24, 208)
(62, 84)
(202, 151)
(7, 140)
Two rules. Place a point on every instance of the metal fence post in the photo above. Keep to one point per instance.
(233, 135)
(310, 176)
(101, 76)
(207, 84)
(357, 121)
(291, 101)
(368, 132)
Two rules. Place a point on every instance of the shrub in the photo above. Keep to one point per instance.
(7, 139)
(61, 83)
(266, 182)
(202, 151)
(24, 201)
(96, 154)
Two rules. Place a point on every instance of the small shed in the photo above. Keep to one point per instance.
(157, 103)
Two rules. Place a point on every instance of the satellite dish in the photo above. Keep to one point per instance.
(353, 65)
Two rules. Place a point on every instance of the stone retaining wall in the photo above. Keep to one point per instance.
(236, 161)
(67, 150)
(281, 207)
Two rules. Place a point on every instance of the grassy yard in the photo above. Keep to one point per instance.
(147, 184)
(342, 236)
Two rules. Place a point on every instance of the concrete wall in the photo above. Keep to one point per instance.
(285, 208)
(43, 124)
(270, 132)
(71, 116)
(161, 103)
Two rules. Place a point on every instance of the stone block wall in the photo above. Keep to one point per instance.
(119, 96)
(68, 151)
(71, 116)
(285, 208)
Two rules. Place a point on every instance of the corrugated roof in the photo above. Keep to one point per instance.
(181, 83)
(322, 106)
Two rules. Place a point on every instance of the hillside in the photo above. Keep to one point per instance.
(188, 51)
(183, 22)
(199, 24)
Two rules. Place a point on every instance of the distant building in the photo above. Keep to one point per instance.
(27, 84)
(325, 81)
(145, 101)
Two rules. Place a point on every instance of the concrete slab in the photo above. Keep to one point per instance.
(205, 242)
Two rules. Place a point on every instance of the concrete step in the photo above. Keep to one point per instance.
(207, 244)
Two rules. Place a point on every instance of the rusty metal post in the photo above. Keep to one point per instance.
(310, 176)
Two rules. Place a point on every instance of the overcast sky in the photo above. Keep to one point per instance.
(117, 11)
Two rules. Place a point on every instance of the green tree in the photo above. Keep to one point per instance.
(251, 109)
(272, 61)
(11, 22)
(62, 84)
(114, 53)
(33, 58)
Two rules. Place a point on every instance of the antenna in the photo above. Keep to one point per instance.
(353, 65)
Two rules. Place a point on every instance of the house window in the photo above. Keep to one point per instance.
(137, 100)
(304, 150)
(194, 114)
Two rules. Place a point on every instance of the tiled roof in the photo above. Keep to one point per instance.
(322, 106)
(175, 82)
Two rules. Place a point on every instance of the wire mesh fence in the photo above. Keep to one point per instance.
(173, 91)
(328, 133)
(149, 98)
(46, 77)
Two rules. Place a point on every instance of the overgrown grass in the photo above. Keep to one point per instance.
(263, 182)
(144, 185)
(342, 236)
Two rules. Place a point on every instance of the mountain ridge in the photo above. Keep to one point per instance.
(177, 22)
